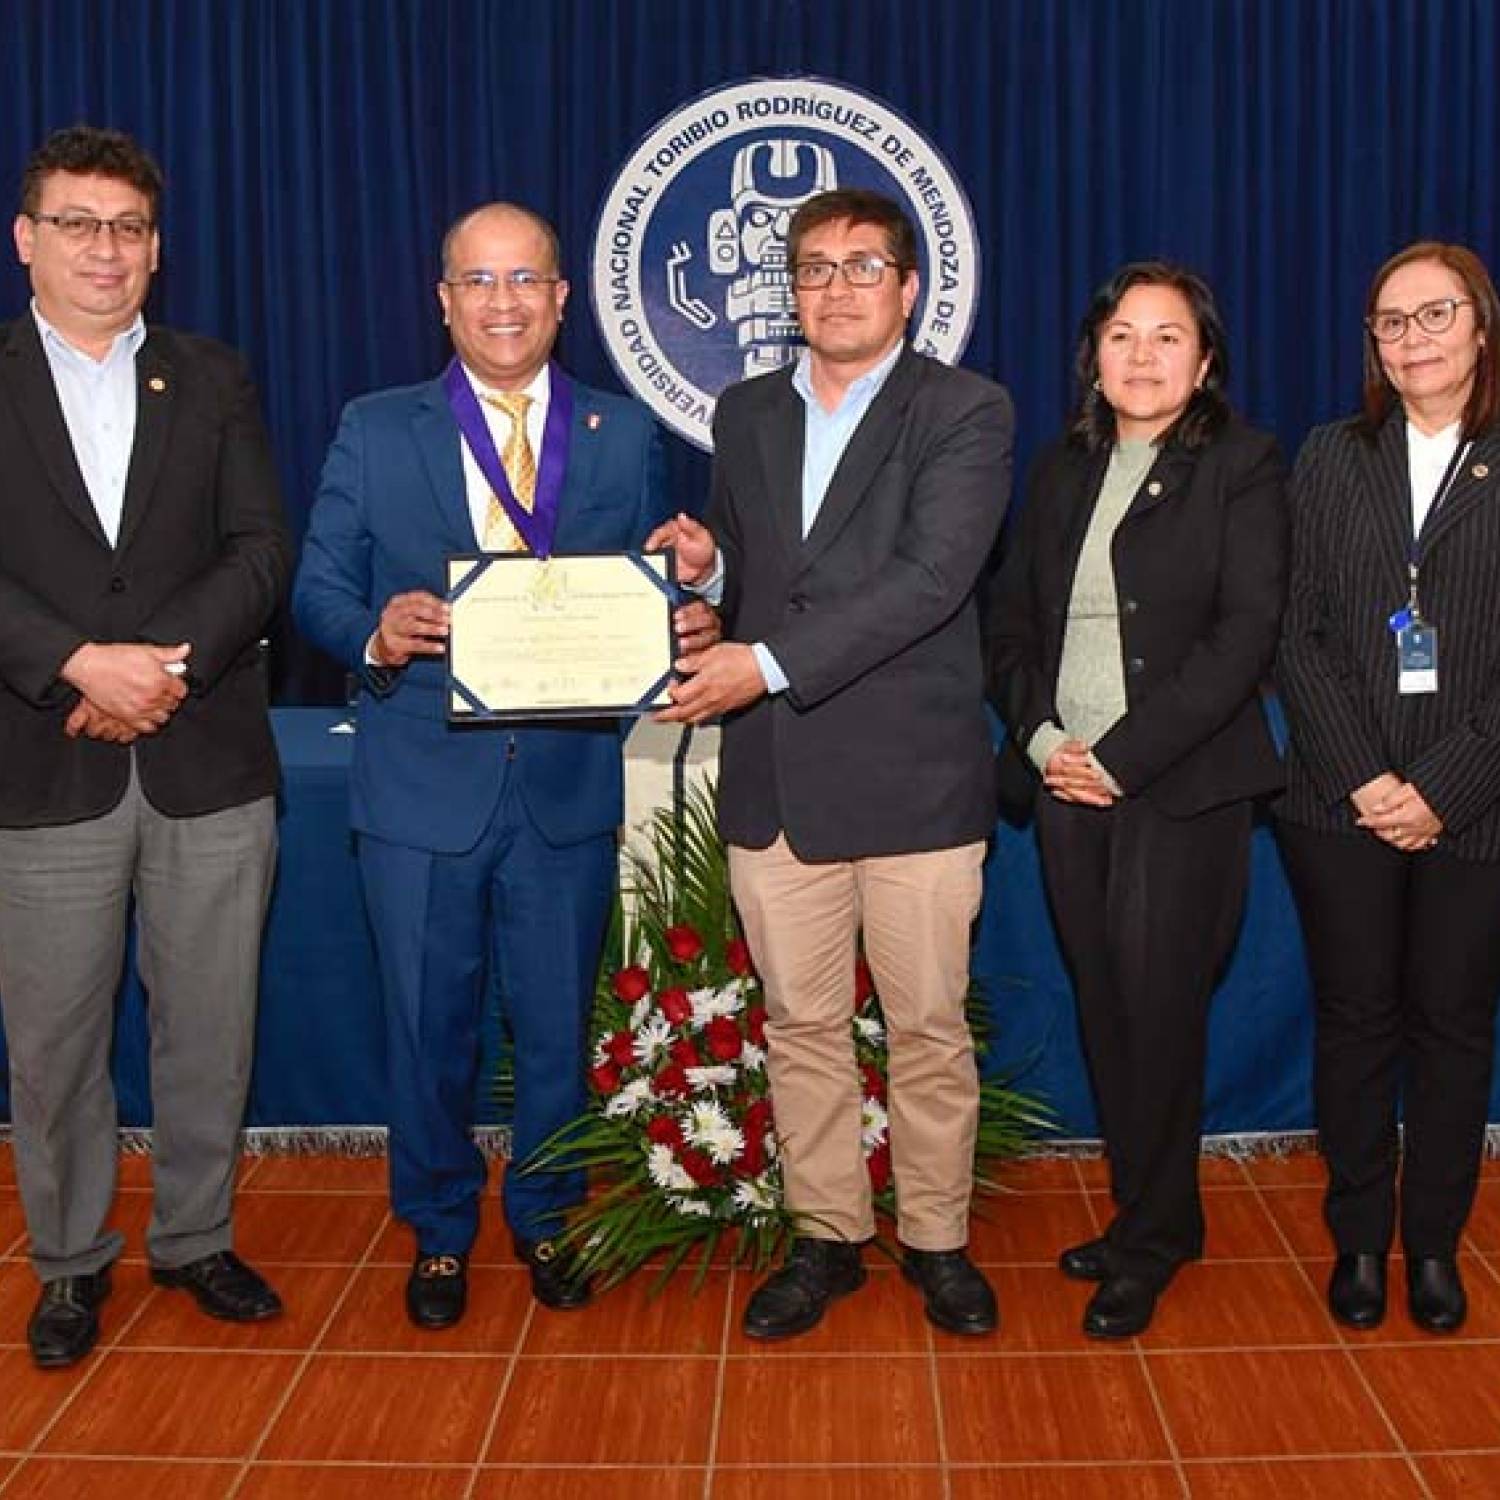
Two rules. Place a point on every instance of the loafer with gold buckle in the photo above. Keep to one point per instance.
(437, 1291)
(554, 1282)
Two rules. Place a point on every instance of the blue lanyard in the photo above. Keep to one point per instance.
(1412, 611)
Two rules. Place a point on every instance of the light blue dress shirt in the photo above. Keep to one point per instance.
(98, 401)
(827, 435)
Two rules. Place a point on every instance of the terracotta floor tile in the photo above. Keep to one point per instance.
(1299, 1213)
(1484, 1223)
(133, 1171)
(401, 1409)
(130, 1214)
(172, 1320)
(589, 1484)
(1489, 1166)
(320, 1174)
(1306, 1479)
(307, 1227)
(1213, 1171)
(819, 1484)
(1439, 1396)
(1094, 1172)
(119, 1479)
(1034, 1228)
(1039, 1309)
(1039, 1174)
(12, 1222)
(7, 1164)
(1296, 1168)
(1242, 1304)
(1240, 1227)
(1068, 1482)
(1267, 1402)
(603, 1411)
(629, 1319)
(354, 1482)
(844, 1410)
(32, 1397)
(180, 1405)
(1060, 1408)
(372, 1318)
(883, 1317)
(1461, 1476)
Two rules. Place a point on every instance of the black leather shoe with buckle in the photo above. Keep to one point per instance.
(795, 1298)
(1356, 1290)
(1435, 1293)
(437, 1291)
(1089, 1261)
(554, 1283)
(65, 1323)
(224, 1287)
(957, 1297)
(1122, 1307)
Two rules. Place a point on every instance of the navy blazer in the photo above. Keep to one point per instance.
(391, 508)
(1337, 668)
(1200, 561)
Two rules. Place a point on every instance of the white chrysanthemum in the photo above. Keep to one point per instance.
(691, 1208)
(872, 1123)
(631, 1098)
(640, 1010)
(652, 1039)
(666, 1171)
(712, 1076)
(709, 1005)
(713, 1132)
(752, 1058)
(869, 1028)
(757, 1195)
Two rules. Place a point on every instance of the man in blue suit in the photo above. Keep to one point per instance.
(488, 845)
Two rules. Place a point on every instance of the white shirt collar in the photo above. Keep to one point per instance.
(129, 340)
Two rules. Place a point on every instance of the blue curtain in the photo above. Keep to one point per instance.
(315, 150)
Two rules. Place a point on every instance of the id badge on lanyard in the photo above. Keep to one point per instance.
(1416, 638)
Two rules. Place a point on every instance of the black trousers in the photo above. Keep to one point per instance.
(1147, 908)
(1404, 951)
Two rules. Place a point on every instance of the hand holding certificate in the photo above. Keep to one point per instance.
(558, 637)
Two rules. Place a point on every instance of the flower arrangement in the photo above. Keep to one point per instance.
(681, 1132)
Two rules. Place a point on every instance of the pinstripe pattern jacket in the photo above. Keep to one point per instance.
(1351, 511)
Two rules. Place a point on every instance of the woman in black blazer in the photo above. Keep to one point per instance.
(1130, 628)
(1390, 827)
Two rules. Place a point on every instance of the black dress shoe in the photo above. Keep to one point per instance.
(1435, 1293)
(957, 1296)
(796, 1297)
(437, 1291)
(1356, 1290)
(1089, 1261)
(554, 1282)
(224, 1287)
(65, 1323)
(1121, 1308)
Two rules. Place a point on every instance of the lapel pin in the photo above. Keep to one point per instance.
(1481, 471)
(157, 384)
(1154, 488)
(592, 421)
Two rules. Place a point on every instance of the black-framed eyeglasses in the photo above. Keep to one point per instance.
(1389, 324)
(523, 282)
(83, 229)
(858, 270)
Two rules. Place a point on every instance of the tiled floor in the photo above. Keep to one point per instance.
(1243, 1388)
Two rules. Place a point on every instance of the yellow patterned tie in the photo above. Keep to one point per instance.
(500, 535)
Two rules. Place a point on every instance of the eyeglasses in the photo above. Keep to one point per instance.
(1389, 324)
(858, 270)
(523, 283)
(83, 229)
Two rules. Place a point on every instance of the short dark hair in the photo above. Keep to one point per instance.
(554, 245)
(1093, 421)
(1483, 408)
(89, 151)
(855, 206)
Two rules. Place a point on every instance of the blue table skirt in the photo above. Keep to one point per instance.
(319, 1055)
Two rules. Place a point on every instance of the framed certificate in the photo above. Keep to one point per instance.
(560, 637)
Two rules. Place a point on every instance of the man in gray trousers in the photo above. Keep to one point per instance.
(142, 554)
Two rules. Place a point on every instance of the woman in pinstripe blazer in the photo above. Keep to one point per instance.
(1390, 825)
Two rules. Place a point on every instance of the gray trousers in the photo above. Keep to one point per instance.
(201, 886)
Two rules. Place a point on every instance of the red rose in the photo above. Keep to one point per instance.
(874, 1082)
(751, 1161)
(630, 984)
(605, 1078)
(684, 1054)
(737, 956)
(683, 943)
(878, 1164)
(697, 1165)
(723, 1039)
(619, 1048)
(755, 1024)
(672, 1081)
(864, 984)
(757, 1118)
(675, 1005)
(663, 1130)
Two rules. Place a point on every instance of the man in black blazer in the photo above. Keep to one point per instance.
(142, 555)
(855, 498)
